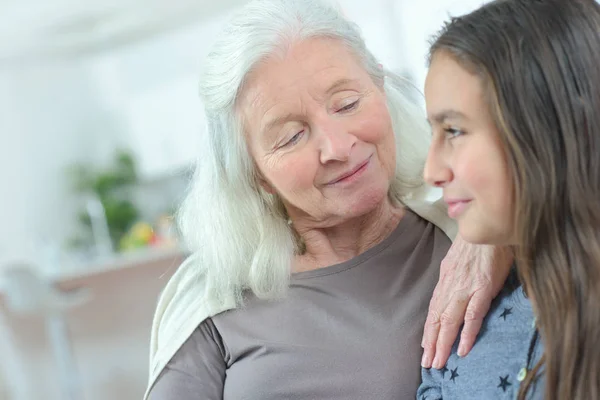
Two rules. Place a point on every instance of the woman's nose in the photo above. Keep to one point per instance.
(336, 144)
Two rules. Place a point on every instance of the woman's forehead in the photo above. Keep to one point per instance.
(318, 66)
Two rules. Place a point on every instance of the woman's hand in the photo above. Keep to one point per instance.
(470, 277)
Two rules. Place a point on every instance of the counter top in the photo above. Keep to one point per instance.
(119, 261)
(170, 257)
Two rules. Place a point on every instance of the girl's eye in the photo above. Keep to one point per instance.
(451, 133)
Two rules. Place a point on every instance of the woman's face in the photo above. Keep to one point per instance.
(466, 157)
(320, 133)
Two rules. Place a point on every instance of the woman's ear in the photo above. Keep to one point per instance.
(266, 186)
(263, 183)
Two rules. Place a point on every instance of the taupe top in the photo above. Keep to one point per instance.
(348, 331)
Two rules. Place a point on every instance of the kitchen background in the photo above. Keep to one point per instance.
(99, 121)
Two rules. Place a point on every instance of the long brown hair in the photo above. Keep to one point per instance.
(539, 62)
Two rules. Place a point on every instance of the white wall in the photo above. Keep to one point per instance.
(153, 86)
(418, 21)
(47, 115)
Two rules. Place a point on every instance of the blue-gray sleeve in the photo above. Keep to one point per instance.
(196, 371)
(498, 362)
(431, 385)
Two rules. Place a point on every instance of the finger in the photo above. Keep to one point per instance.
(435, 310)
(477, 309)
(468, 336)
(433, 319)
(450, 323)
(430, 335)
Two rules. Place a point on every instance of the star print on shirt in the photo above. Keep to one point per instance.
(506, 313)
(444, 370)
(454, 374)
(504, 383)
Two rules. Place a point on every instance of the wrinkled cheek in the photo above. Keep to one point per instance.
(291, 182)
(391, 163)
(389, 150)
(386, 153)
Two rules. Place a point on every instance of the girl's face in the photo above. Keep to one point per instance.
(467, 158)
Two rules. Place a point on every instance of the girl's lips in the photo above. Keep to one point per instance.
(456, 208)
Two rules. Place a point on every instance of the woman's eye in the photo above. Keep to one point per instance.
(349, 107)
(293, 139)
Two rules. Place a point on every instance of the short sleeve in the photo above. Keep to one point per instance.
(196, 371)
(431, 384)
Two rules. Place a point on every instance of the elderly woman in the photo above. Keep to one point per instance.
(313, 259)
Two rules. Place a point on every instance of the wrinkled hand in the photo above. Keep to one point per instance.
(470, 277)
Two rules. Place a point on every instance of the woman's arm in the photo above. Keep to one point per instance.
(197, 371)
(470, 277)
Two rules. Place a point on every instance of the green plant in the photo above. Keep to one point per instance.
(112, 187)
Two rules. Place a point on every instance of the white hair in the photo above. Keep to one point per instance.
(238, 233)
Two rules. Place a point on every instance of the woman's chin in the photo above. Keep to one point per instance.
(366, 202)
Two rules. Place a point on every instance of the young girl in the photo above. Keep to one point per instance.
(513, 98)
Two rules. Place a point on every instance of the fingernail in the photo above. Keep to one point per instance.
(426, 360)
(461, 350)
(436, 363)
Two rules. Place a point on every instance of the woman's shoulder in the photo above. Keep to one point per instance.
(182, 307)
(184, 302)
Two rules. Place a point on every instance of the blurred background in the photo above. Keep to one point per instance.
(99, 121)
